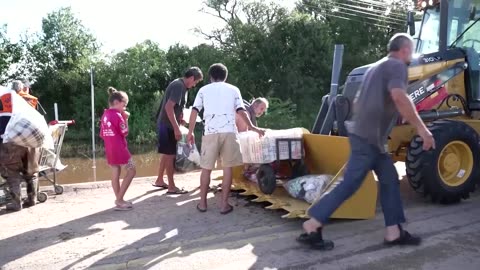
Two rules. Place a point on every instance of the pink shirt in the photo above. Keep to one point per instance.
(113, 130)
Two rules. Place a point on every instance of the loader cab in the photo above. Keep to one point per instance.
(450, 30)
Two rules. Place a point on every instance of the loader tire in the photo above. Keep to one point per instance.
(449, 172)
(267, 181)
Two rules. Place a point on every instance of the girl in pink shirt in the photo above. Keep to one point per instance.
(113, 131)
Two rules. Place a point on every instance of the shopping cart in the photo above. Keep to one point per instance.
(49, 162)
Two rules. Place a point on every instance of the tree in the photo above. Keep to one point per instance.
(274, 53)
(282, 55)
(142, 72)
(10, 53)
(364, 27)
(65, 44)
(237, 13)
(63, 53)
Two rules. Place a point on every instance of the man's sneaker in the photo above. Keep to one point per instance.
(405, 239)
(315, 240)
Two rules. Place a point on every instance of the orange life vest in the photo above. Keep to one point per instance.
(33, 101)
(6, 104)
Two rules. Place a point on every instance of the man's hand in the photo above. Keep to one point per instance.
(409, 113)
(190, 139)
(260, 132)
(427, 138)
(178, 133)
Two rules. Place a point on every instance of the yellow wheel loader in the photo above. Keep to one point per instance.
(444, 83)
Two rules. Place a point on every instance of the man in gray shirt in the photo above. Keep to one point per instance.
(380, 99)
(170, 116)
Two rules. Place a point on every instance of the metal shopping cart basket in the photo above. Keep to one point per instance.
(49, 162)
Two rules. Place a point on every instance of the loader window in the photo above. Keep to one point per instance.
(428, 40)
(464, 25)
(471, 38)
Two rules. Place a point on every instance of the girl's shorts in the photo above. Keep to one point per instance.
(130, 164)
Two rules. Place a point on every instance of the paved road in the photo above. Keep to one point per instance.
(79, 230)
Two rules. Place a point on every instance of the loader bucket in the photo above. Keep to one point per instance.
(323, 155)
(328, 155)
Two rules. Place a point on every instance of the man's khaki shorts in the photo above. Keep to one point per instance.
(225, 145)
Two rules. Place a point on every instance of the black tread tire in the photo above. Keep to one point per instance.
(267, 181)
(422, 166)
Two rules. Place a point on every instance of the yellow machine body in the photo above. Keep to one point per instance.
(323, 155)
(451, 171)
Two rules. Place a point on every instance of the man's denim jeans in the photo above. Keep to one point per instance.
(364, 157)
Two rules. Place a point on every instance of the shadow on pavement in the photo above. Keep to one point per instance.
(183, 232)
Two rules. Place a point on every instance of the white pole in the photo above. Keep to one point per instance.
(55, 107)
(94, 167)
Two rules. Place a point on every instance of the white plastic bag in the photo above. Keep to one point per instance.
(27, 127)
(188, 157)
(315, 187)
(308, 187)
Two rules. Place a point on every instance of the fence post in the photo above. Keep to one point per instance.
(55, 108)
(94, 167)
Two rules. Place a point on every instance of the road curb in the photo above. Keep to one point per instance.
(106, 183)
(93, 185)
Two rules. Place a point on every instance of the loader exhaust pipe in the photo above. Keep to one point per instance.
(336, 69)
(326, 115)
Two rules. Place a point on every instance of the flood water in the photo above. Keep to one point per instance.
(80, 170)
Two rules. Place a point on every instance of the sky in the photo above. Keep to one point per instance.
(118, 25)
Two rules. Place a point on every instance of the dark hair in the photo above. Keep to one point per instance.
(115, 95)
(195, 72)
(218, 72)
(398, 41)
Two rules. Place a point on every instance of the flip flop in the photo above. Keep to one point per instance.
(200, 209)
(178, 191)
(126, 204)
(124, 207)
(230, 209)
(118, 208)
(164, 186)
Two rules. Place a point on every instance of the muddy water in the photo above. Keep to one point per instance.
(80, 170)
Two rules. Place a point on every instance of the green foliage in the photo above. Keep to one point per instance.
(280, 115)
(10, 53)
(269, 51)
(63, 52)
